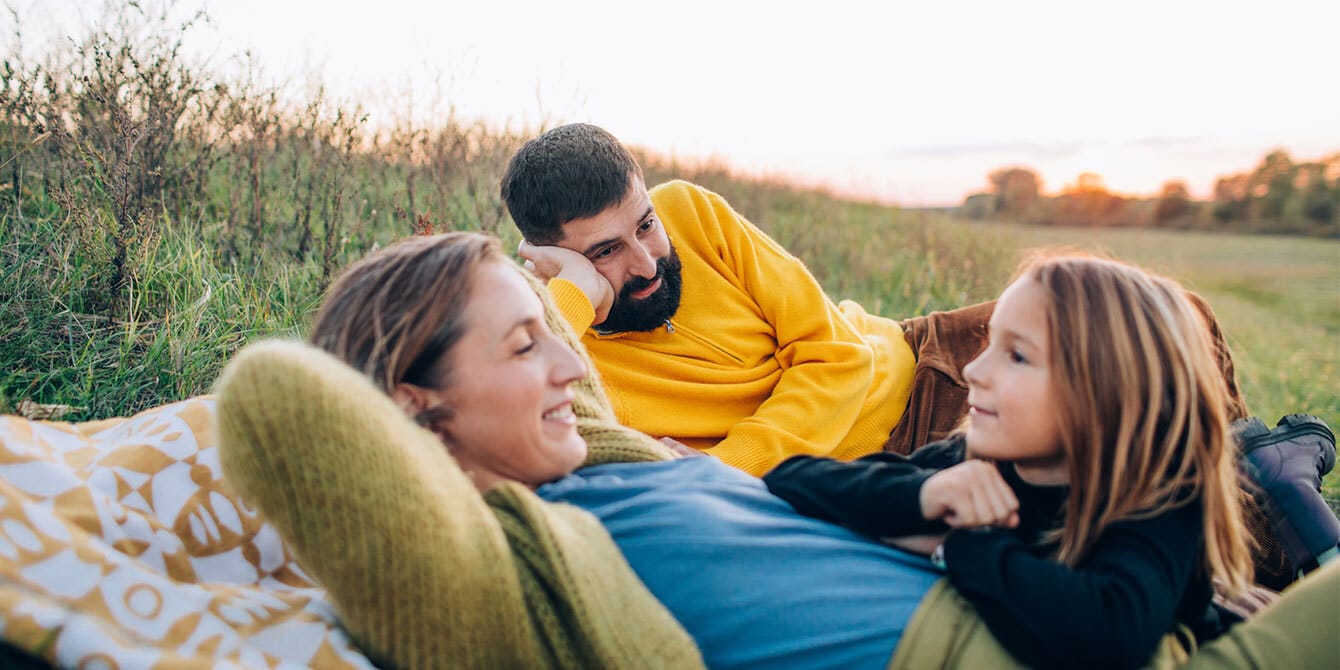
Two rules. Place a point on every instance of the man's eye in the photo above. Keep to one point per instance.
(603, 253)
(646, 225)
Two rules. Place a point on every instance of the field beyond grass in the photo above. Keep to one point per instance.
(1277, 298)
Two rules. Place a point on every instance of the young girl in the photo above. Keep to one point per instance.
(1092, 497)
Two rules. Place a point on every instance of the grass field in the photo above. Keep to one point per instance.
(1278, 298)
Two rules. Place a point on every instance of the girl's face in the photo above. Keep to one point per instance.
(508, 390)
(1013, 410)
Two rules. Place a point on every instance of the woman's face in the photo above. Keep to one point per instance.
(1012, 408)
(508, 387)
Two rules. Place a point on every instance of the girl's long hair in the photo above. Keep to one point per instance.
(1143, 407)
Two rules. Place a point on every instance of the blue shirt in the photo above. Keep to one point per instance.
(756, 584)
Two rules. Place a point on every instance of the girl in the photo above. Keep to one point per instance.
(1096, 467)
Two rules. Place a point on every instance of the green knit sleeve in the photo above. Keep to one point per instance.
(415, 562)
(423, 571)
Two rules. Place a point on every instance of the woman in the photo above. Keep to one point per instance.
(468, 560)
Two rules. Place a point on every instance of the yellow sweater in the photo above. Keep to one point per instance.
(758, 364)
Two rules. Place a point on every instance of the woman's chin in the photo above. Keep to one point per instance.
(573, 450)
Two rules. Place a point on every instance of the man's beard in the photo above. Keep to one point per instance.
(651, 312)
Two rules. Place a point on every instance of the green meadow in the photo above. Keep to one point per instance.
(1278, 298)
(189, 308)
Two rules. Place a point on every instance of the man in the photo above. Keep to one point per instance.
(705, 330)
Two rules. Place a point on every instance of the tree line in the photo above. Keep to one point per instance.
(1280, 195)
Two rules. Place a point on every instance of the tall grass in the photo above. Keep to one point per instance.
(155, 215)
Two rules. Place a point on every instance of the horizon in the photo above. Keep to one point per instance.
(906, 105)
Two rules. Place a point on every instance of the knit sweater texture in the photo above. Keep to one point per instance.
(758, 363)
(424, 571)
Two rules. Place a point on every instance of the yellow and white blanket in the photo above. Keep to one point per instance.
(122, 547)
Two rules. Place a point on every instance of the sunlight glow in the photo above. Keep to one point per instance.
(906, 102)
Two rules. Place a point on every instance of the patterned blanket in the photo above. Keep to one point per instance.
(121, 546)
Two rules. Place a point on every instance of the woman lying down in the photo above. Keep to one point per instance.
(1078, 522)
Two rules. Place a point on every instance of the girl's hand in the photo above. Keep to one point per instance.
(968, 495)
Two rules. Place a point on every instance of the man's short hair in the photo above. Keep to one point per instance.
(569, 172)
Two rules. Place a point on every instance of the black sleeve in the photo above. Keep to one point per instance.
(1109, 612)
(877, 495)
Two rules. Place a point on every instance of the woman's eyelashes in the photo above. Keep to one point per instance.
(525, 346)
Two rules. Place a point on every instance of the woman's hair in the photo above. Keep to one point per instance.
(395, 314)
(1142, 404)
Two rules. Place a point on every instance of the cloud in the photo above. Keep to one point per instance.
(1162, 142)
(1010, 150)
(1228, 150)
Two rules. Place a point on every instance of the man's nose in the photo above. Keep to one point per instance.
(644, 264)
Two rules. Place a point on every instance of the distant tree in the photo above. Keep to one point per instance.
(1270, 185)
(978, 206)
(1230, 198)
(1313, 198)
(1174, 202)
(1088, 182)
(1016, 189)
(1333, 179)
(1088, 203)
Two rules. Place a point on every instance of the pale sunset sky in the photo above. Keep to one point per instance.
(907, 102)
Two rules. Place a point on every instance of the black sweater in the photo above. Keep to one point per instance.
(1111, 610)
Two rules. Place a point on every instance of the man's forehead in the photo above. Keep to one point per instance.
(616, 221)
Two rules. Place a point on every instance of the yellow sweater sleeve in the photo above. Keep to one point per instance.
(827, 368)
(575, 307)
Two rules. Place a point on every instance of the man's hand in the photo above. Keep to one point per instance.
(968, 495)
(550, 262)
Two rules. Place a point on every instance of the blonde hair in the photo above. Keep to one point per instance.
(1143, 408)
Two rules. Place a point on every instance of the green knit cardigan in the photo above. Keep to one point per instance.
(423, 570)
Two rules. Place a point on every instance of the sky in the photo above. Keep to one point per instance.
(906, 102)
